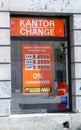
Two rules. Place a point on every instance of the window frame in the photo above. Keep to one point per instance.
(65, 38)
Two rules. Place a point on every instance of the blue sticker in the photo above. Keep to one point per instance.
(63, 100)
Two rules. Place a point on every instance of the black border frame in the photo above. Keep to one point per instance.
(52, 39)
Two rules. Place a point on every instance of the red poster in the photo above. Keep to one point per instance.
(37, 68)
(37, 27)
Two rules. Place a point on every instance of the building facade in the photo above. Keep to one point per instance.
(40, 60)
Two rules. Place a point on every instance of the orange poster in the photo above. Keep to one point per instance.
(43, 27)
(37, 68)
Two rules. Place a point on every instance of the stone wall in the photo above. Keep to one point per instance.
(76, 61)
(47, 6)
(5, 64)
(43, 7)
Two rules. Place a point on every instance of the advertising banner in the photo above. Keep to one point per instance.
(37, 68)
(43, 27)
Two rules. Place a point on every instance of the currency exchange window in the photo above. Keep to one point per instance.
(39, 65)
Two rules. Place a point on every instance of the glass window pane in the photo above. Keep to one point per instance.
(39, 76)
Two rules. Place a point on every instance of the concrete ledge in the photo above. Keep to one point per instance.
(40, 122)
(59, 6)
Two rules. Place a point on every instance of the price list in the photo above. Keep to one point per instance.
(37, 61)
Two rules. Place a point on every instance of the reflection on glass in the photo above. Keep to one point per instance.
(40, 96)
